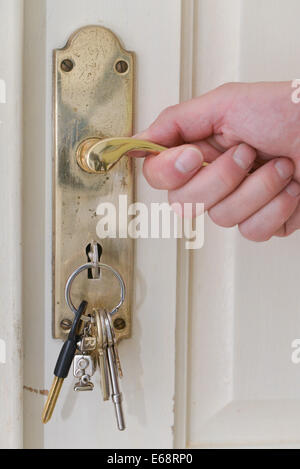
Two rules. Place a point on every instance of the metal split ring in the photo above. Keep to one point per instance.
(93, 265)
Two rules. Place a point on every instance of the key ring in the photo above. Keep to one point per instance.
(90, 265)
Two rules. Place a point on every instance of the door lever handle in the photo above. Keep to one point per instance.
(96, 155)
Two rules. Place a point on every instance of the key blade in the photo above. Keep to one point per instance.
(100, 331)
(52, 398)
(117, 360)
(104, 380)
(119, 413)
(113, 343)
(116, 394)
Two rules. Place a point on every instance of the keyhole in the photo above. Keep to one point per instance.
(90, 256)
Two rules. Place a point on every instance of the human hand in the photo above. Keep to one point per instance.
(231, 127)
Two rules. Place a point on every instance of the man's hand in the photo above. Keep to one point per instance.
(231, 127)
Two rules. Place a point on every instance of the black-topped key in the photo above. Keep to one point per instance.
(63, 364)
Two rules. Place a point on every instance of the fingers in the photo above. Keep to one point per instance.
(270, 219)
(192, 120)
(213, 183)
(254, 193)
(291, 225)
(175, 166)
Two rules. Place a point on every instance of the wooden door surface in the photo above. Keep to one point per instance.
(209, 361)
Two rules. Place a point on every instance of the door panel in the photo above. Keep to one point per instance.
(243, 389)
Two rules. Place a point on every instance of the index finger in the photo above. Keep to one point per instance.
(190, 121)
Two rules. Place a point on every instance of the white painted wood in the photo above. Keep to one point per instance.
(11, 31)
(188, 25)
(243, 390)
(236, 303)
(35, 250)
(149, 356)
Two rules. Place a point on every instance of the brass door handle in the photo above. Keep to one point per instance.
(97, 156)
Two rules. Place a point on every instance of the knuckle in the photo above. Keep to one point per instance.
(270, 183)
(227, 179)
(288, 230)
(252, 234)
(165, 113)
(149, 176)
(229, 86)
(220, 218)
(283, 233)
(283, 205)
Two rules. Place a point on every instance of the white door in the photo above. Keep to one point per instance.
(209, 361)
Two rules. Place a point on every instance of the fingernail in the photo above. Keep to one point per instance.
(293, 189)
(189, 160)
(284, 168)
(242, 156)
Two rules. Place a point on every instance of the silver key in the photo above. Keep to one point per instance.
(112, 367)
(115, 347)
(102, 352)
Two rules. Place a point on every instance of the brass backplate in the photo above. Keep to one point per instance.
(93, 94)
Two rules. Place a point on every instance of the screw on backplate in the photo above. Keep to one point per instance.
(119, 324)
(67, 65)
(121, 66)
(66, 324)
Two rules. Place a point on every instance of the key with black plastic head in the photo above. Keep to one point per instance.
(63, 364)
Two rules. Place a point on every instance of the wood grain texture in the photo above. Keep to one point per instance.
(243, 387)
(11, 138)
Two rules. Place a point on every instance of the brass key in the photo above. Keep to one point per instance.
(63, 364)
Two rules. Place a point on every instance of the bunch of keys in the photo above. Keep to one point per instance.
(91, 343)
(109, 362)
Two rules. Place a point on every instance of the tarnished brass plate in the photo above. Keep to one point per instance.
(93, 92)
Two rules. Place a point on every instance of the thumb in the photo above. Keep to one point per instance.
(173, 167)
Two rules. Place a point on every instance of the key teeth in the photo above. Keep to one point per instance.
(108, 362)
